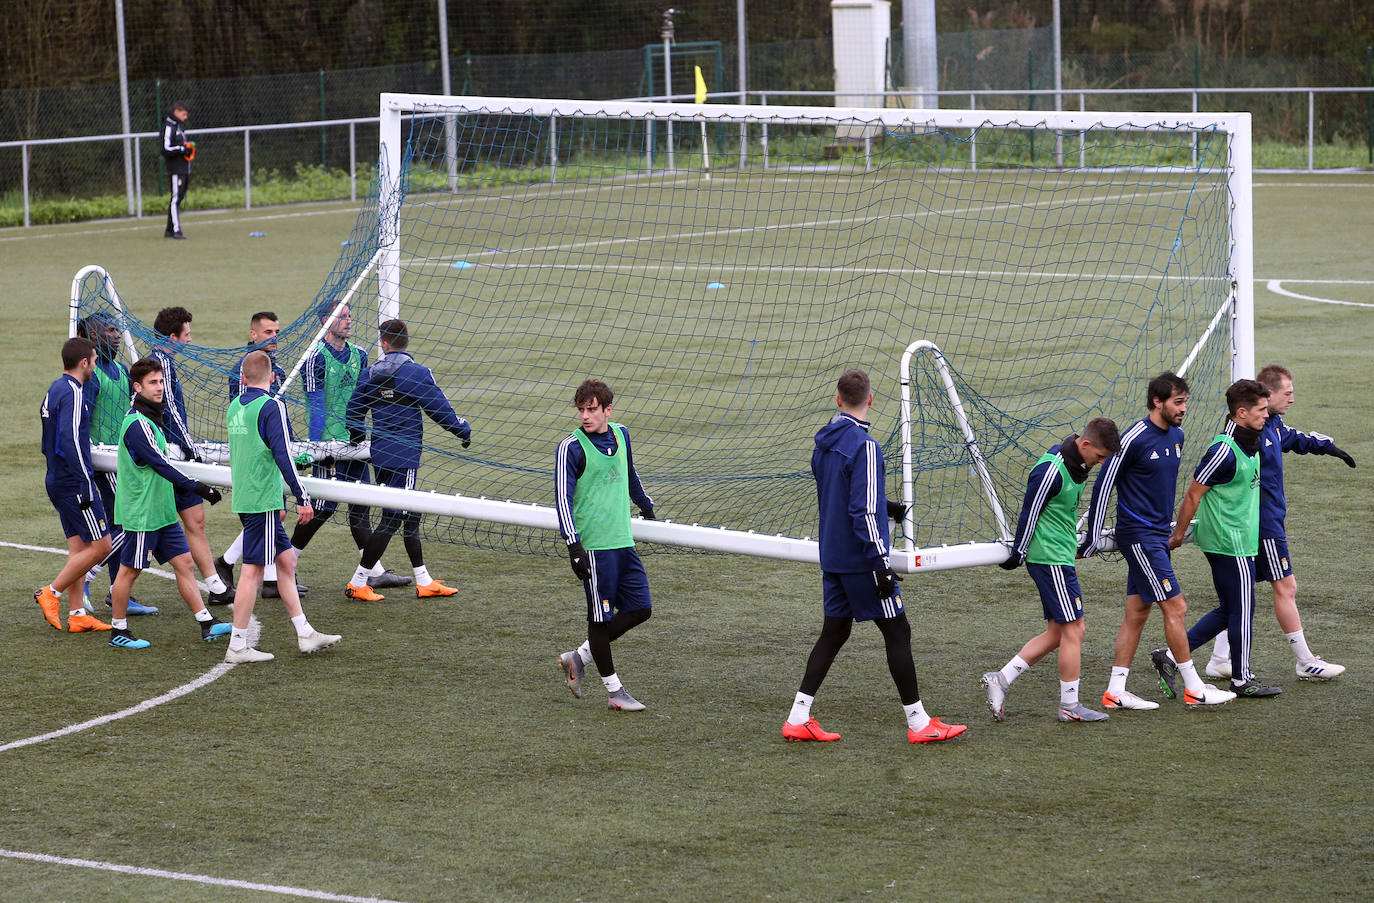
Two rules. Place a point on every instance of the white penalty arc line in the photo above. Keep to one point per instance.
(1276, 286)
(283, 889)
(209, 677)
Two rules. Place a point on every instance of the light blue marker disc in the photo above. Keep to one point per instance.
(714, 285)
(462, 265)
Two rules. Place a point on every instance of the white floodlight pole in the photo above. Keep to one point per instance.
(743, 42)
(668, 73)
(124, 104)
(450, 129)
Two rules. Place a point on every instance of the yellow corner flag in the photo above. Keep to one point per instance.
(701, 86)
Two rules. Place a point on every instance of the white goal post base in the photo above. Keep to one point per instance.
(665, 532)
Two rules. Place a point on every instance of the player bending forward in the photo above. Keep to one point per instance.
(1046, 540)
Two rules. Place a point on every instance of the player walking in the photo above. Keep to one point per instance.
(146, 508)
(259, 459)
(594, 479)
(1145, 476)
(331, 376)
(857, 578)
(174, 324)
(396, 390)
(1225, 496)
(1273, 563)
(66, 416)
(1046, 540)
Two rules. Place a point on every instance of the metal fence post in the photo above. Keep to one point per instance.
(1311, 125)
(324, 130)
(247, 172)
(352, 161)
(138, 177)
(24, 157)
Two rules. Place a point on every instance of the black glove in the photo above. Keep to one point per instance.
(209, 493)
(196, 458)
(85, 505)
(896, 510)
(1335, 452)
(581, 562)
(463, 432)
(887, 580)
(647, 513)
(1013, 561)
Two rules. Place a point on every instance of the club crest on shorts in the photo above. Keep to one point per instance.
(606, 605)
(1168, 587)
(1284, 563)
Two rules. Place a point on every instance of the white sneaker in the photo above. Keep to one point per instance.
(1316, 669)
(246, 654)
(1210, 696)
(1219, 668)
(996, 686)
(1127, 700)
(317, 641)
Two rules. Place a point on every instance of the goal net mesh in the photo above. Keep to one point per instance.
(1057, 272)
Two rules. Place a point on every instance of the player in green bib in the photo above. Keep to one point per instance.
(595, 482)
(259, 461)
(1047, 542)
(146, 508)
(331, 376)
(1225, 496)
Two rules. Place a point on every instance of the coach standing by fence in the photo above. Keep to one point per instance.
(179, 153)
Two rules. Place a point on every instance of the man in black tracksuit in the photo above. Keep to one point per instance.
(178, 154)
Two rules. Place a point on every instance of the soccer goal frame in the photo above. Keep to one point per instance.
(1238, 306)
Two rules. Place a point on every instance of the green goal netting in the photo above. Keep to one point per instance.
(720, 267)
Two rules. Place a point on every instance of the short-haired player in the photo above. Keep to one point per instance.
(145, 507)
(594, 483)
(857, 580)
(259, 461)
(1272, 563)
(1046, 541)
(1225, 495)
(1145, 476)
(70, 481)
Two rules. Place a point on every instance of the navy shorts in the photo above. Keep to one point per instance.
(1060, 597)
(85, 519)
(618, 583)
(1272, 562)
(856, 596)
(142, 546)
(264, 537)
(348, 471)
(1149, 572)
(185, 498)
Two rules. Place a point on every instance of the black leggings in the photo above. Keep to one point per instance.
(896, 637)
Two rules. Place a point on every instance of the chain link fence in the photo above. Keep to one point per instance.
(67, 181)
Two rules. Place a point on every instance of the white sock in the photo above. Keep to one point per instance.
(214, 584)
(204, 615)
(422, 577)
(1190, 678)
(303, 628)
(1014, 669)
(119, 623)
(1068, 693)
(1221, 648)
(76, 612)
(801, 709)
(359, 576)
(238, 639)
(232, 554)
(94, 572)
(916, 717)
(1117, 684)
(612, 683)
(269, 573)
(1298, 643)
(585, 652)
(377, 569)
(1170, 653)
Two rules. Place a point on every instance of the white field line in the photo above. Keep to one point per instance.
(141, 871)
(1275, 286)
(209, 677)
